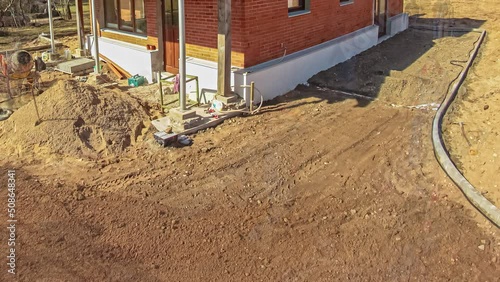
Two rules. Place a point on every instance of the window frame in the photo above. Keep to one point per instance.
(346, 2)
(119, 19)
(300, 7)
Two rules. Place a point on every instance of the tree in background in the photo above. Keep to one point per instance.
(14, 9)
(64, 6)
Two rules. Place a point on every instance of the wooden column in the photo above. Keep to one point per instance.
(79, 24)
(224, 48)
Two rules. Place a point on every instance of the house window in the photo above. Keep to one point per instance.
(345, 2)
(127, 15)
(296, 5)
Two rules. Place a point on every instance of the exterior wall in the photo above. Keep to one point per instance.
(395, 7)
(261, 30)
(127, 56)
(151, 36)
(281, 75)
(270, 29)
(276, 50)
(210, 54)
(201, 30)
(398, 23)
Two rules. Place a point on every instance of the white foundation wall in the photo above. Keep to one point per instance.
(207, 77)
(280, 76)
(398, 23)
(132, 58)
(272, 78)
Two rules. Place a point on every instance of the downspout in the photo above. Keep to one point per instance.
(182, 56)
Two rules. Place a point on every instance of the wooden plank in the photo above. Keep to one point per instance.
(29, 49)
(113, 68)
(224, 48)
(124, 72)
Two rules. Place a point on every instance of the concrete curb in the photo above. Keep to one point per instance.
(474, 196)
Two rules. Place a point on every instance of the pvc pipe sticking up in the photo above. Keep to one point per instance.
(51, 27)
(182, 56)
(96, 39)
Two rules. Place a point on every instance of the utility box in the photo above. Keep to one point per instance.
(136, 80)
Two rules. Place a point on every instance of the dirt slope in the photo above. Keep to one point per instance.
(76, 120)
(472, 132)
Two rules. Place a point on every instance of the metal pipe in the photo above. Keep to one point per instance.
(244, 89)
(182, 56)
(97, 69)
(160, 89)
(252, 91)
(51, 27)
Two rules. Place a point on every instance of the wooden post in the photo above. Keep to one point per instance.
(224, 48)
(80, 24)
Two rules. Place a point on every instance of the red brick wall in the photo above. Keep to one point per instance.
(268, 26)
(261, 29)
(150, 7)
(201, 23)
(395, 7)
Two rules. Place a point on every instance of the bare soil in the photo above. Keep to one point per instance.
(471, 132)
(319, 186)
(75, 119)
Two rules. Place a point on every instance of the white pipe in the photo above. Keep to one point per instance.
(245, 93)
(51, 27)
(182, 56)
(96, 39)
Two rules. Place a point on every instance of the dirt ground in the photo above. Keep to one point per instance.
(471, 130)
(317, 187)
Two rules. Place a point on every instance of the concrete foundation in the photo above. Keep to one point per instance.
(227, 99)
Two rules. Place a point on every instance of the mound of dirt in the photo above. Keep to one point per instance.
(76, 120)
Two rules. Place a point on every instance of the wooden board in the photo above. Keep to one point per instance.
(113, 68)
(124, 72)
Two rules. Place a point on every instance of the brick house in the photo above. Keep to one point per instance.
(276, 43)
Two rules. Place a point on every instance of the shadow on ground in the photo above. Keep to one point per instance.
(413, 67)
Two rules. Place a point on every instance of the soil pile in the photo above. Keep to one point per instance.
(76, 120)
